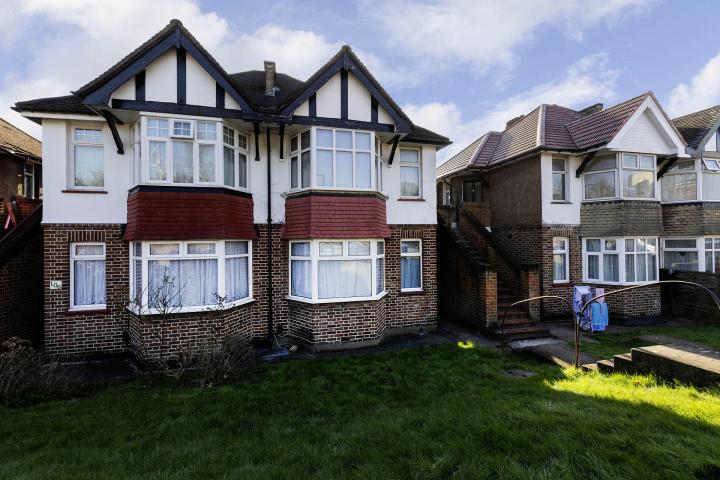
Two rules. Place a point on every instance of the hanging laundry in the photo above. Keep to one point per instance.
(581, 295)
(599, 316)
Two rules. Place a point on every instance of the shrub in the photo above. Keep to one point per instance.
(22, 371)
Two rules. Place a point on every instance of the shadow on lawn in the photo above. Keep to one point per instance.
(431, 412)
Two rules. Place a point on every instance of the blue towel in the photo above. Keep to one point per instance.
(599, 316)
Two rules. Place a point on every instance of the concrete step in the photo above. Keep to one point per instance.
(624, 363)
(589, 367)
(516, 322)
(682, 362)
(521, 333)
(605, 366)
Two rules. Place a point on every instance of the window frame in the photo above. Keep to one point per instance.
(315, 258)
(618, 172)
(622, 252)
(696, 249)
(418, 254)
(565, 181)
(237, 150)
(75, 257)
(565, 251)
(220, 256)
(714, 253)
(29, 180)
(674, 172)
(474, 185)
(73, 143)
(417, 165)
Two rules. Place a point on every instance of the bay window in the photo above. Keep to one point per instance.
(636, 173)
(410, 176)
(711, 180)
(410, 265)
(561, 260)
(192, 152)
(325, 271)
(184, 276)
(620, 260)
(679, 184)
(712, 255)
(681, 254)
(87, 276)
(88, 165)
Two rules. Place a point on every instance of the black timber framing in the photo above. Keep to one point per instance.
(586, 161)
(344, 94)
(312, 105)
(282, 141)
(340, 123)
(346, 63)
(219, 96)
(112, 123)
(181, 76)
(667, 166)
(177, 39)
(174, 108)
(140, 86)
(395, 141)
(256, 129)
(373, 110)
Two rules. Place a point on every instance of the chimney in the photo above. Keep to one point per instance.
(590, 110)
(270, 88)
(513, 121)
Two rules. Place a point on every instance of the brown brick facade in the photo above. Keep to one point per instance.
(335, 325)
(621, 217)
(691, 219)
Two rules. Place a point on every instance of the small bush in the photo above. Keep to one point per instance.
(22, 372)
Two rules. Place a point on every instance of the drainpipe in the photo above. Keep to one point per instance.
(271, 327)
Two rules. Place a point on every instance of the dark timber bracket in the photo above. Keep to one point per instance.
(219, 96)
(585, 164)
(395, 141)
(667, 166)
(256, 127)
(181, 75)
(140, 86)
(282, 141)
(112, 123)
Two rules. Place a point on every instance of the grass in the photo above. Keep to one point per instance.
(609, 344)
(426, 413)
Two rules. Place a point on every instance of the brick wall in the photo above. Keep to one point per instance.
(691, 219)
(621, 217)
(86, 333)
(21, 280)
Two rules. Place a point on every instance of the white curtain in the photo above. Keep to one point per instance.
(611, 268)
(89, 277)
(182, 283)
(410, 272)
(344, 278)
(301, 280)
(559, 260)
(236, 279)
(409, 181)
(593, 267)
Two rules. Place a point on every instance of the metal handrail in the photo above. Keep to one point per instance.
(576, 317)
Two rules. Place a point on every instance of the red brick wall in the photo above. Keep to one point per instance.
(189, 215)
(317, 215)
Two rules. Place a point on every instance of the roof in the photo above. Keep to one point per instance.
(547, 127)
(15, 141)
(694, 127)
(250, 85)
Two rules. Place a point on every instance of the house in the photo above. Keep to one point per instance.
(21, 241)
(599, 196)
(299, 208)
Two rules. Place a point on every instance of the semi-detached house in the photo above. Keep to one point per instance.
(600, 196)
(302, 208)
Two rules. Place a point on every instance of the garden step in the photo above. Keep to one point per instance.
(606, 366)
(624, 363)
(521, 333)
(683, 362)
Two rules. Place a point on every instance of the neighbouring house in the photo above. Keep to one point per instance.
(599, 196)
(298, 208)
(21, 241)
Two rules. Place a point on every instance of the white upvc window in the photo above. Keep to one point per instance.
(193, 152)
(300, 160)
(711, 180)
(712, 254)
(87, 276)
(379, 164)
(327, 271)
(712, 164)
(622, 261)
(559, 179)
(634, 172)
(561, 260)
(235, 159)
(680, 182)
(410, 173)
(681, 254)
(411, 265)
(190, 276)
(29, 180)
(88, 162)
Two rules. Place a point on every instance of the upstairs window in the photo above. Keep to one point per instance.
(635, 172)
(680, 182)
(410, 175)
(235, 159)
(88, 166)
(559, 179)
(300, 161)
(600, 178)
(472, 191)
(344, 159)
(638, 176)
(711, 180)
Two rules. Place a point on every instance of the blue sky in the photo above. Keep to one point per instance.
(459, 67)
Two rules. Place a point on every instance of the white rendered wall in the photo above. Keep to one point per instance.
(359, 103)
(199, 85)
(328, 98)
(558, 213)
(161, 79)
(126, 91)
(411, 211)
(60, 207)
(645, 136)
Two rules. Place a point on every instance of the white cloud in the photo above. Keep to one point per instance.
(701, 92)
(486, 34)
(85, 40)
(583, 83)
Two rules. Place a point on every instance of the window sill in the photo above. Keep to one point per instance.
(81, 190)
(336, 300)
(561, 202)
(411, 199)
(413, 291)
(616, 284)
(208, 309)
(99, 309)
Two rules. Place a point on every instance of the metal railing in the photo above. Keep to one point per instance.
(576, 316)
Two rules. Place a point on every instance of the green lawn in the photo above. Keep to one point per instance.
(432, 412)
(610, 344)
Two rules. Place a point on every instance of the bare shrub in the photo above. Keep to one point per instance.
(22, 371)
